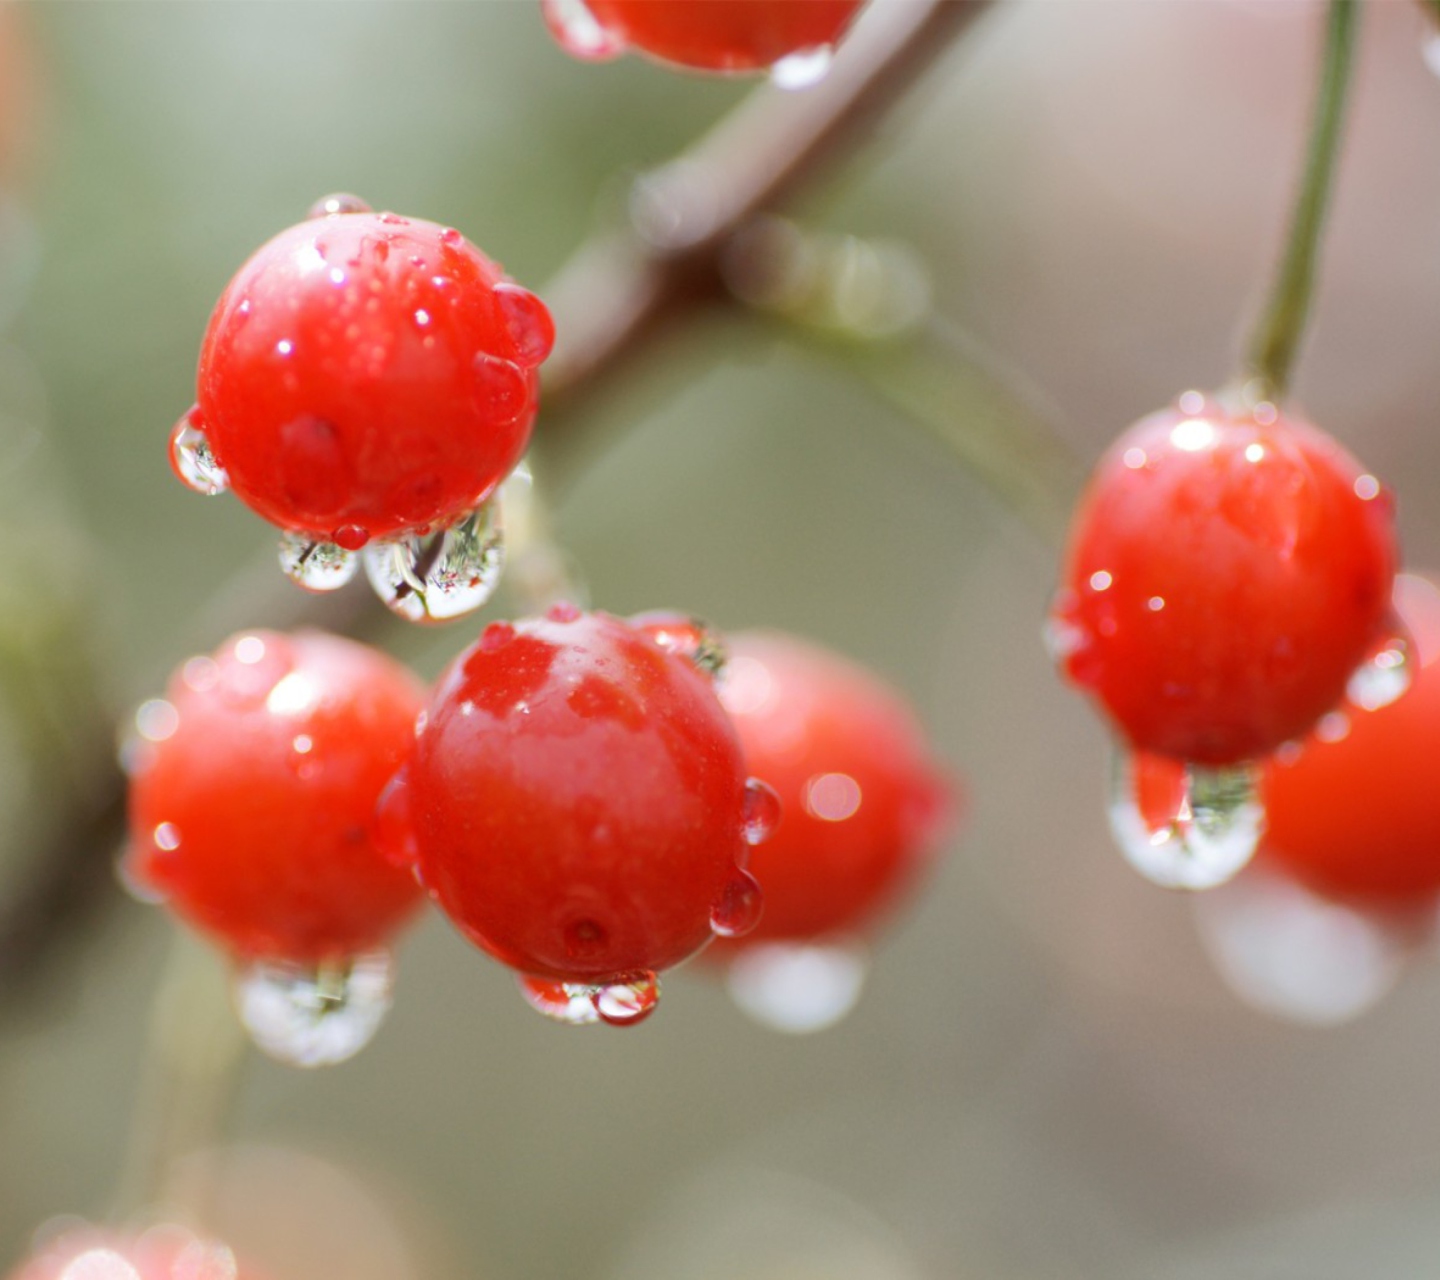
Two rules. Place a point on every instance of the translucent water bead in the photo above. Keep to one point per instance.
(622, 1002)
(464, 574)
(314, 1015)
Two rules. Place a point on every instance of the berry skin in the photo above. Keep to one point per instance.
(253, 787)
(864, 806)
(577, 800)
(1355, 815)
(704, 35)
(365, 374)
(1226, 573)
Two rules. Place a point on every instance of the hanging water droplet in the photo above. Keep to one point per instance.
(527, 321)
(1384, 675)
(572, 1003)
(316, 566)
(464, 575)
(579, 32)
(803, 68)
(796, 986)
(338, 202)
(1185, 826)
(740, 907)
(1285, 951)
(192, 459)
(314, 1015)
(762, 811)
(628, 1000)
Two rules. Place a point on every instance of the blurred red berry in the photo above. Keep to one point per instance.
(161, 1253)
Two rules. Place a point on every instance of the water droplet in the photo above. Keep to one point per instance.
(795, 986)
(803, 68)
(392, 829)
(739, 909)
(464, 575)
(451, 238)
(686, 637)
(1384, 675)
(352, 537)
(572, 1003)
(316, 566)
(1285, 951)
(527, 321)
(579, 32)
(192, 459)
(563, 611)
(314, 1015)
(339, 202)
(629, 999)
(762, 811)
(1185, 826)
(502, 386)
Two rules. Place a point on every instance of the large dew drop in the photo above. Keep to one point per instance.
(797, 987)
(761, 813)
(622, 1003)
(740, 907)
(579, 32)
(628, 1000)
(314, 1015)
(803, 68)
(1285, 951)
(1185, 826)
(192, 458)
(316, 566)
(571, 1003)
(466, 569)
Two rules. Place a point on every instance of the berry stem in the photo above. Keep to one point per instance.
(1276, 340)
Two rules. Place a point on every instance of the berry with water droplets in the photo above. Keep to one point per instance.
(253, 788)
(1227, 571)
(703, 35)
(364, 376)
(576, 804)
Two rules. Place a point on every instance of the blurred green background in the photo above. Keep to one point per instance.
(1046, 1078)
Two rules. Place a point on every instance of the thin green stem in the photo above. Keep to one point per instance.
(1277, 337)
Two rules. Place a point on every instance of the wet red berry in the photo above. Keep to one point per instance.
(253, 788)
(1226, 573)
(364, 374)
(577, 803)
(864, 804)
(704, 35)
(1354, 813)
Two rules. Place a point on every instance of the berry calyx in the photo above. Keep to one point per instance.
(575, 804)
(703, 35)
(864, 805)
(1227, 571)
(1354, 812)
(253, 786)
(364, 375)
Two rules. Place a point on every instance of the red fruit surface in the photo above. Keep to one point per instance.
(864, 804)
(1357, 816)
(369, 371)
(577, 798)
(724, 35)
(1225, 575)
(252, 796)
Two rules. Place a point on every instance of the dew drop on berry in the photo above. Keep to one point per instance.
(803, 68)
(579, 32)
(629, 1000)
(571, 1003)
(762, 811)
(314, 1015)
(316, 566)
(339, 202)
(564, 611)
(1384, 675)
(739, 909)
(352, 537)
(392, 829)
(690, 638)
(502, 388)
(466, 571)
(1287, 952)
(1185, 826)
(527, 321)
(797, 987)
(192, 459)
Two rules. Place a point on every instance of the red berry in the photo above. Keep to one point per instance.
(704, 35)
(1354, 814)
(577, 803)
(1226, 574)
(161, 1253)
(364, 375)
(254, 783)
(864, 805)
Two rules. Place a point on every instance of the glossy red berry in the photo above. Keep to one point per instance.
(364, 375)
(703, 35)
(253, 787)
(1226, 573)
(1354, 812)
(577, 804)
(864, 804)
